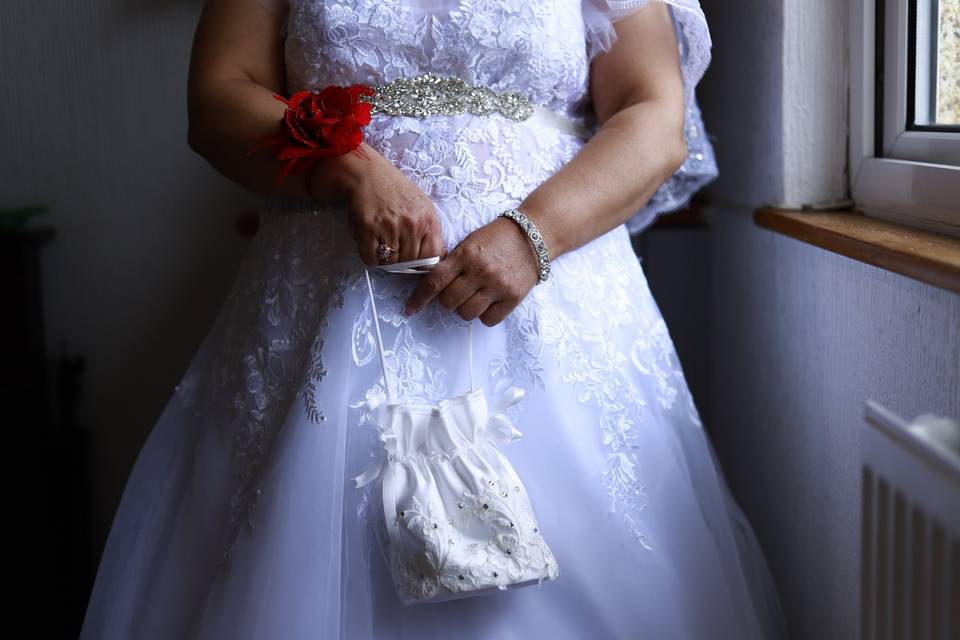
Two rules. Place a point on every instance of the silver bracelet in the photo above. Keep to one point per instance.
(531, 230)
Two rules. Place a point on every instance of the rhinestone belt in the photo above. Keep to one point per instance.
(429, 94)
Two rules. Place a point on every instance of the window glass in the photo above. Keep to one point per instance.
(936, 72)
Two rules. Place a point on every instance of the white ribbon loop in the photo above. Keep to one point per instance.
(499, 427)
(386, 453)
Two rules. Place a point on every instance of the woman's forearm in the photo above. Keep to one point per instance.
(611, 178)
(608, 181)
(228, 119)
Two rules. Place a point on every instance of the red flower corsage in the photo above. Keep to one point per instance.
(318, 124)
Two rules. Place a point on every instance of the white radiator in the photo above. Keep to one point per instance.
(910, 554)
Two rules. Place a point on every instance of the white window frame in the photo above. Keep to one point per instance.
(914, 176)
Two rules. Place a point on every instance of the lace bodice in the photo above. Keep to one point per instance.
(533, 47)
(543, 49)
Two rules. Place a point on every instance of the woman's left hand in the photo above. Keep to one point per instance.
(487, 275)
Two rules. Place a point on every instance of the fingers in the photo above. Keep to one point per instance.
(495, 313)
(369, 235)
(457, 292)
(430, 234)
(414, 223)
(393, 244)
(366, 239)
(367, 248)
(408, 240)
(372, 244)
(476, 305)
(432, 244)
(432, 284)
(409, 244)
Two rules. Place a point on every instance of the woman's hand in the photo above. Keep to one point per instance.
(384, 205)
(487, 275)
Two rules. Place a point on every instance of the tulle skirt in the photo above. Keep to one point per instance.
(619, 470)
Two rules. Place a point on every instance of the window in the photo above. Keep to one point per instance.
(933, 91)
(905, 111)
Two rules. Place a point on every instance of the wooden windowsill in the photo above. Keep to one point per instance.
(918, 254)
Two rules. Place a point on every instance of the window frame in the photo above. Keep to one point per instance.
(899, 171)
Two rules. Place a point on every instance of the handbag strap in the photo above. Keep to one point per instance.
(391, 397)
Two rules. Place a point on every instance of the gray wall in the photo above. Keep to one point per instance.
(796, 338)
(94, 125)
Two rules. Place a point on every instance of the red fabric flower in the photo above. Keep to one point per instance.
(318, 124)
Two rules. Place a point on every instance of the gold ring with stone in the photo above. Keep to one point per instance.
(384, 252)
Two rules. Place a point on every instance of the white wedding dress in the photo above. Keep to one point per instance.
(241, 518)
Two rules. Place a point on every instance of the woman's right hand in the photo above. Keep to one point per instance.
(384, 205)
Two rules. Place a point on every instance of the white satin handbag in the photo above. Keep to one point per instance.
(457, 518)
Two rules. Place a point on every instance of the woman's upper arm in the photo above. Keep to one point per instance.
(643, 65)
(238, 40)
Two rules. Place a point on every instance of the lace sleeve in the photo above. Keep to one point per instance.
(693, 36)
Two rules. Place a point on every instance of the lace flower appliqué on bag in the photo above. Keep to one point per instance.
(509, 547)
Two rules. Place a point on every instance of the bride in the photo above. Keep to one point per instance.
(242, 516)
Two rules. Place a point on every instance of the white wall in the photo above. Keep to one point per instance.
(814, 104)
(800, 338)
(93, 124)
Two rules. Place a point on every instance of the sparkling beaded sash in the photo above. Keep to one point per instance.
(429, 94)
